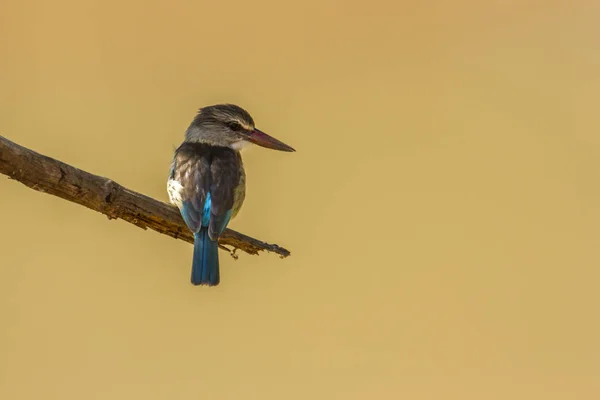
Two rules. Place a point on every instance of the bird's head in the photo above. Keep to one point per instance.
(228, 125)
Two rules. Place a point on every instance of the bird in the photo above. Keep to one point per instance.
(207, 181)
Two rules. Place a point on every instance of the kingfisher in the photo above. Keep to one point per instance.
(207, 181)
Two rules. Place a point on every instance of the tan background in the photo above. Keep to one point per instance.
(443, 207)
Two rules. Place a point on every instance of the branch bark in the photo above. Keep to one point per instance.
(48, 175)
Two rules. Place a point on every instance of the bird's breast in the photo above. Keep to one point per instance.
(174, 189)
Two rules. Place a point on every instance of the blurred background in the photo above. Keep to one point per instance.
(442, 208)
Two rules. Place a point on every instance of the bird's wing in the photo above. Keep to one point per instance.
(202, 183)
(225, 172)
(189, 183)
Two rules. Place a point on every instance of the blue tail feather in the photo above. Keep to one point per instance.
(205, 265)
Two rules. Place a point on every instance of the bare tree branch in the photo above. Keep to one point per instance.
(100, 194)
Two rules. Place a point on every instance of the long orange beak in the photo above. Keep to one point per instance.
(262, 139)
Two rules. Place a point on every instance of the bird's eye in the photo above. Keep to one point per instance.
(234, 126)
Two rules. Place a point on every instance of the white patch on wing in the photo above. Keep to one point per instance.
(242, 144)
(174, 189)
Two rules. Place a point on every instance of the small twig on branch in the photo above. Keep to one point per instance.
(100, 194)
